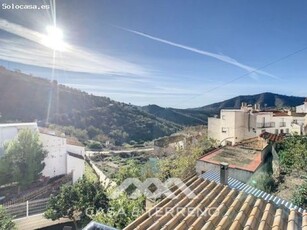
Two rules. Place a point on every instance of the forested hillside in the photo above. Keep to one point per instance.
(26, 98)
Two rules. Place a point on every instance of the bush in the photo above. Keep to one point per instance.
(6, 222)
(263, 181)
(94, 145)
(300, 196)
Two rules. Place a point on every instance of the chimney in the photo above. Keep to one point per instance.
(224, 173)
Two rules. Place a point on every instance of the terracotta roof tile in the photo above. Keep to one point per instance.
(217, 206)
(267, 217)
(304, 221)
(292, 220)
(254, 217)
(277, 223)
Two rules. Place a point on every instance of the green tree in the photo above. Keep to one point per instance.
(6, 222)
(94, 145)
(122, 211)
(76, 201)
(293, 154)
(23, 159)
(300, 196)
(131, 170)
(182, 164)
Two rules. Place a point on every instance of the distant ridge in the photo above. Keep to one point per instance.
(199, 115)
(269, 100)
(27, 98)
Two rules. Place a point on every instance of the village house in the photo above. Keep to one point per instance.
(235, 125)
(65, 155)
(244, 159)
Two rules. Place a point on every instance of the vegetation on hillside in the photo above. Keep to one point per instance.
(6, 221)
(293, 154)
(293, 159)
(77, 201)
(182, 164)
(263, 179)
(22, 161)
(300, 196)
(26, 98)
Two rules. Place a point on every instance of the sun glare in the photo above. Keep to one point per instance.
(54, 38)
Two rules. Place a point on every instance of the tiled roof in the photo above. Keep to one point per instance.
(272, 137)
(236, 184)
(235, 209)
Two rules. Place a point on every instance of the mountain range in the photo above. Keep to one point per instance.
(27, 98)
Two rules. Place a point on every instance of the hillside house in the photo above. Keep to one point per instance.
(244, 159)
(302, 108)
(235, 125)
(65, 155)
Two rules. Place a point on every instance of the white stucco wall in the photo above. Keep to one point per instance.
(76, 166)
(75, 149)
(214, 128)
(56, 160)
(236, 125)
(302, 108)
(239, 174)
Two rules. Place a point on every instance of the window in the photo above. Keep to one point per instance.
(224, 130)
(287, 130)
(276, 131)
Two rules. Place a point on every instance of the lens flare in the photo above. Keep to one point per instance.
(54, 39)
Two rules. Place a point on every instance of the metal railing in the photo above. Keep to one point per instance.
(282, 124)
(27, 208)
(266, 125)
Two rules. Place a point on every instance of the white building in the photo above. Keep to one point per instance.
(235, 125)
(65, 155)
(302, 108)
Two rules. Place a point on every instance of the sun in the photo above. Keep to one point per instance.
(54, 39)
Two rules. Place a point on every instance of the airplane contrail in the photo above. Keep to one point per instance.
(222, 58)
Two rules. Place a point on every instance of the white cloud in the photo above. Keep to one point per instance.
(31, 51)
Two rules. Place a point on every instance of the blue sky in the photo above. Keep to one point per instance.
(172, 53)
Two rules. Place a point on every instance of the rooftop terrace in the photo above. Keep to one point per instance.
(236, 157)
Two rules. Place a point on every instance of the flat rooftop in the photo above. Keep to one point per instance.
(236, 157)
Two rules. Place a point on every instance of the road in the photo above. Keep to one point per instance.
(91, 153)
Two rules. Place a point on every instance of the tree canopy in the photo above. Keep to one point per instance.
(6, 222)
(23, 159)
(75, 201)
(293, 154)
(300, 196)
(122, 211)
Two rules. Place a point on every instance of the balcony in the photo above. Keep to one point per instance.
(266, 125)
(282, 124)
